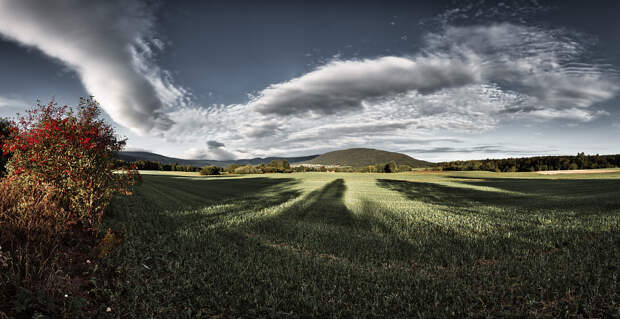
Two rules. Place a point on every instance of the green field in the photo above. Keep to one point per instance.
(365, 245)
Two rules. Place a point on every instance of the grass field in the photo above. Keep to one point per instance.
(365, 245)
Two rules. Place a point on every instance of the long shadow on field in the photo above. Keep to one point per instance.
(548, 187)
(320, 225)
(169, 202)
(317, 258)
(585, 196)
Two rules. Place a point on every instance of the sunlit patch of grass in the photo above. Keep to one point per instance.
(365, 245)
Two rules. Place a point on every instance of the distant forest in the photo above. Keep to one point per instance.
(531, 164)
(527, 164)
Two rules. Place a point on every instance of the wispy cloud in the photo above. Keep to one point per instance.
(466, 79)
(108, 44)
(10, 106)
(345, 85)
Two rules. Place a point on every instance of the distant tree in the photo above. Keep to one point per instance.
(269, 169)
(380, 168)
(231, 168)
(390, 167)
(210, 170)
(248, 169)
(280, 166)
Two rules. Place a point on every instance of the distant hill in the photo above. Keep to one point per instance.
(357, 157)
(147, 156)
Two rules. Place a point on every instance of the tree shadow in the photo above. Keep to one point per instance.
(316, 257)
(583, 197)
(321, 225)
(170, 202)
(548, 186)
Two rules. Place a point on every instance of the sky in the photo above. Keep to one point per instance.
(437, 80)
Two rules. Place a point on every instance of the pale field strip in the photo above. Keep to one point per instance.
(580, 171)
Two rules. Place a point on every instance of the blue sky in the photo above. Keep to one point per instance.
(439, 80)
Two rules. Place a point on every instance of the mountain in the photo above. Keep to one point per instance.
(357, 157)
(147, 156)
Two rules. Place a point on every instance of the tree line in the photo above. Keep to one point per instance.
(275, 166)
(531, 164)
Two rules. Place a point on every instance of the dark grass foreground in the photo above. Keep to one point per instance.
(260, 247)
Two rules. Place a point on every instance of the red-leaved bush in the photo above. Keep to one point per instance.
(59, 180)
(69, 154)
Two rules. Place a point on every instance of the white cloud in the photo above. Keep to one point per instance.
(543, 65)
(108, 44)
(10, 106)
(344, 85)
(464, 79)
(467, 79)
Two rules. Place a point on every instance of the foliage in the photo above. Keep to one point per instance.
(231, 168)
(530, 164)
(59, 181)
(70, 152)
(5, 130)
(390, 167)
(247, 169)
(148, 165)
(210, 170)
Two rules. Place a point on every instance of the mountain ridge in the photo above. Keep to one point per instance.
(132, 156)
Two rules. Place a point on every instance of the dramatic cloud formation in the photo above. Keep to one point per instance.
(466, 79)
(475, 69)
(542, 65)
(537, 69)
(108, 44)
(346, 84)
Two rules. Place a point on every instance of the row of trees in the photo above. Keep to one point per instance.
(147, 165)
(390, 167)
(531, 164)
(275, 166)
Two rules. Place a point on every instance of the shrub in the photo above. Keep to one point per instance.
(59, 180)
(5, 130)
(210, 170)
(248, 169)
(72, 153)
(231, 168)
(390, 167)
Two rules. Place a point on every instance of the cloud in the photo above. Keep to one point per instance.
(9, 107)
(465, 79)
(532, 71)
(214, 144)
(195, 153)
(344, 85)
(487, 149)
(214, 151)
(217, 151)
(109, 45)
(544, 66)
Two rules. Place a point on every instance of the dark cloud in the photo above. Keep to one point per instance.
(215, 144)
